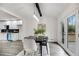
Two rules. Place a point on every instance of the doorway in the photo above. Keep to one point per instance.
(71, 33)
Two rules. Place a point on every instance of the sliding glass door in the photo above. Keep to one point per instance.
(62, 28)
(71, 33)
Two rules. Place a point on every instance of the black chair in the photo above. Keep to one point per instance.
(43, 40)
(44, 43)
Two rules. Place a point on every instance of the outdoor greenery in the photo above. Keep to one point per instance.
(71, 28)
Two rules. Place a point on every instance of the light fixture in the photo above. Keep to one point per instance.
(36, 18)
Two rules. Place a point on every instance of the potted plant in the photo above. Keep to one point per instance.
(39, 31)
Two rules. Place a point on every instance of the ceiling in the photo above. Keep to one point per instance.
(23, 10)
(19, 9)
(53, 9)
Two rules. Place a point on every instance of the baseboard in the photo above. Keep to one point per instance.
(65, 49)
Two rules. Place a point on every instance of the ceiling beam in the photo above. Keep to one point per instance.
(10, 13)
(38, 8)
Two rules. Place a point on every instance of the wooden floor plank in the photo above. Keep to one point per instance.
(12, 48)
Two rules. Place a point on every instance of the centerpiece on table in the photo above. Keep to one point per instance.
(40, 30)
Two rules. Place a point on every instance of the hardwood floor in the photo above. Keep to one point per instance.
(10, 48)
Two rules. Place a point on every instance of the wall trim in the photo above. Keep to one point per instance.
(68, 52)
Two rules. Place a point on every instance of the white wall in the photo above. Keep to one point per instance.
(63, 18)
(26, 15)
(51, 27)
(29, 23)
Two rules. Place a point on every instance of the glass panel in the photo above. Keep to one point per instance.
(71, 36)
(62, 24)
